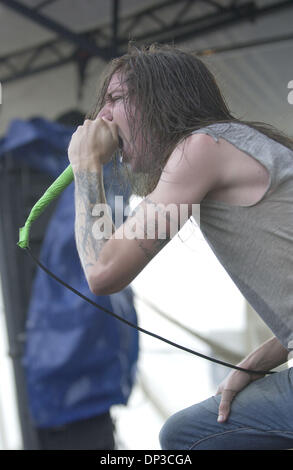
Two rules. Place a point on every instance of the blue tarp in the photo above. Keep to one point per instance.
(78, 359)
(40, 143)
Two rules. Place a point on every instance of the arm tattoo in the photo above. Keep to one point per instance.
(148, 253)
(157, 245)
(89, 190)
(147, 227)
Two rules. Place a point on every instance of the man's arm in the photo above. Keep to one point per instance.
(90, 196)
(94, 226)
(191, 172)
(269, 355)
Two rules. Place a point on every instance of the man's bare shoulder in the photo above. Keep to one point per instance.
(200, 147)
(192, 170)
(195, 157)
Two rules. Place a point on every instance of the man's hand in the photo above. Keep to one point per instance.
(93, 144)
(267, 356)
(231, 385)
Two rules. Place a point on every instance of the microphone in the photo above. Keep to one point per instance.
(51, 193)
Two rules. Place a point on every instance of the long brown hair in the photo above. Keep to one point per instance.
(173, 93)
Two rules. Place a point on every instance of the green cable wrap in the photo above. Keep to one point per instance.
(52, 192)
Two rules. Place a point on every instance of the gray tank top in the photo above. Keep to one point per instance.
(255, 243)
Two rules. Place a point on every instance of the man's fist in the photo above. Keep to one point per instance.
(93, 144)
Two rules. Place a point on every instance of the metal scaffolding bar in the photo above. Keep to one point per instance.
(33, 15)
(112, 39)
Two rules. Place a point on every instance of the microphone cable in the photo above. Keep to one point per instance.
(132, 325)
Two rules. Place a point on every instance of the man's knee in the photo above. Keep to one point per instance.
(173, 433)
(185, 427)
(168, 435)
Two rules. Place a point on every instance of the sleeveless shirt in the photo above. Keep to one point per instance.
(254, 243)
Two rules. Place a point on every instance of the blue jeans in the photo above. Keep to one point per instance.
(261, 418)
